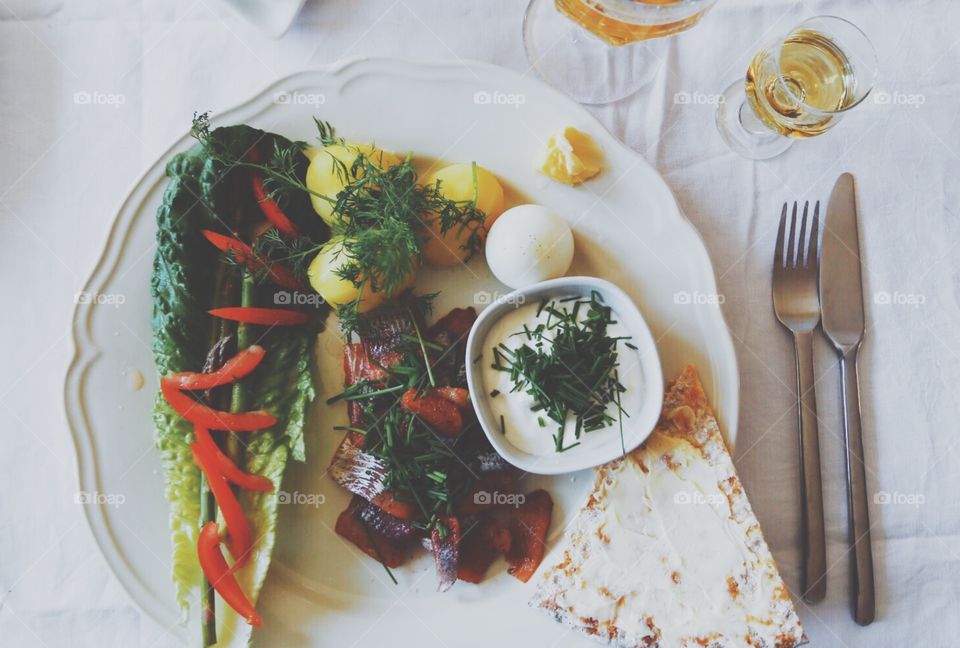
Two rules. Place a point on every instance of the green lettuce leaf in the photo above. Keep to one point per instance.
(182, 286)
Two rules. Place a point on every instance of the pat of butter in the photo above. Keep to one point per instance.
(570, 156)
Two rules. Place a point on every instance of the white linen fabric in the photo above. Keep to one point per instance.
(92, 92)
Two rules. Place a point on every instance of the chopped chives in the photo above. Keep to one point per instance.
(568, 365)
(347, 428)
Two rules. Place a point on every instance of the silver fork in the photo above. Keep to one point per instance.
(796, 302)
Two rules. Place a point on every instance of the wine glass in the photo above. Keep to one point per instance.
(798, 87)
(599, 51)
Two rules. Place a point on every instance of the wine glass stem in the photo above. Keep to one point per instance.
(750, 122)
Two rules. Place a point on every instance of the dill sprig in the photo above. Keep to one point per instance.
(294, 252)
(200, 128)
(285, 165)
(326, 134)
(282, 168)
(568, 365)
(381, 213)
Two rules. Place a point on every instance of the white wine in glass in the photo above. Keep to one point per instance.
(798, 88)
(617, 26)
(599, 51)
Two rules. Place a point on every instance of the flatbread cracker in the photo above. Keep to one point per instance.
(667, 551)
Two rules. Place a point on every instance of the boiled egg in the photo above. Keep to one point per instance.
(528, 244)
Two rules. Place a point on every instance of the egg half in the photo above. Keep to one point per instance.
(528, 244)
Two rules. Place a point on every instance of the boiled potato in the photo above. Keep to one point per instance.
(338, 291)
(457, 183)
(334, 289)
(324, 173)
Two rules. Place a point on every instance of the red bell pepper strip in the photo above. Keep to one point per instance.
(442, 415)
(387, 502)
(200, 414)
(262, 316)
(239, 533)
(271, 210)
(232, 370)
(528, 527)
(221, 577)
(213, 456)
(243, 253)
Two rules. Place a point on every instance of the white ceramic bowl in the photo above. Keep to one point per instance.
(636, 428)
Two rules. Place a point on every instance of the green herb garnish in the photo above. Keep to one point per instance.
(421, 465)
(568, 365)
(380, 213)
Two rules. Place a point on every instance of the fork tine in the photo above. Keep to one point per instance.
(778, 252)
(814, 253)
(802, 239)
(792, 241)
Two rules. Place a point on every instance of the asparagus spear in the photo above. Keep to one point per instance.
(220, 350)
(236, 401)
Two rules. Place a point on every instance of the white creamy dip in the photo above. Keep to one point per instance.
(520, 423)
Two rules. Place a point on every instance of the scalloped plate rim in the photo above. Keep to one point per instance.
(86, 350)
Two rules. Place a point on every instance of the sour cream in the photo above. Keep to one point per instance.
(520, 423)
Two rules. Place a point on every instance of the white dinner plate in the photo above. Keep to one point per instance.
(320, 591)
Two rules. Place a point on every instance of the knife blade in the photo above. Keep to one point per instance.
(841, 291)
(843, 320)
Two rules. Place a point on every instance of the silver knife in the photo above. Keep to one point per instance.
(841, 303)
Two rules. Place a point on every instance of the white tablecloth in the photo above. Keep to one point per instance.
(65, 164)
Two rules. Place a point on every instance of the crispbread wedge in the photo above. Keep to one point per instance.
(667, 551)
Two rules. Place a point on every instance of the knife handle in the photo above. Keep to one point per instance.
(814, 584)
(862, 596)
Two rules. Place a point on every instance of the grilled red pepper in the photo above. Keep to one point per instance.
(214, 456)
(271, 210)
(388, 503)
(200, 414)
(487, 539)
(262, 316)
(528, 527)
(436, 411)
(220, 576)
(232, 370)
(240, 535)
(456, 395)
(243, 253)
